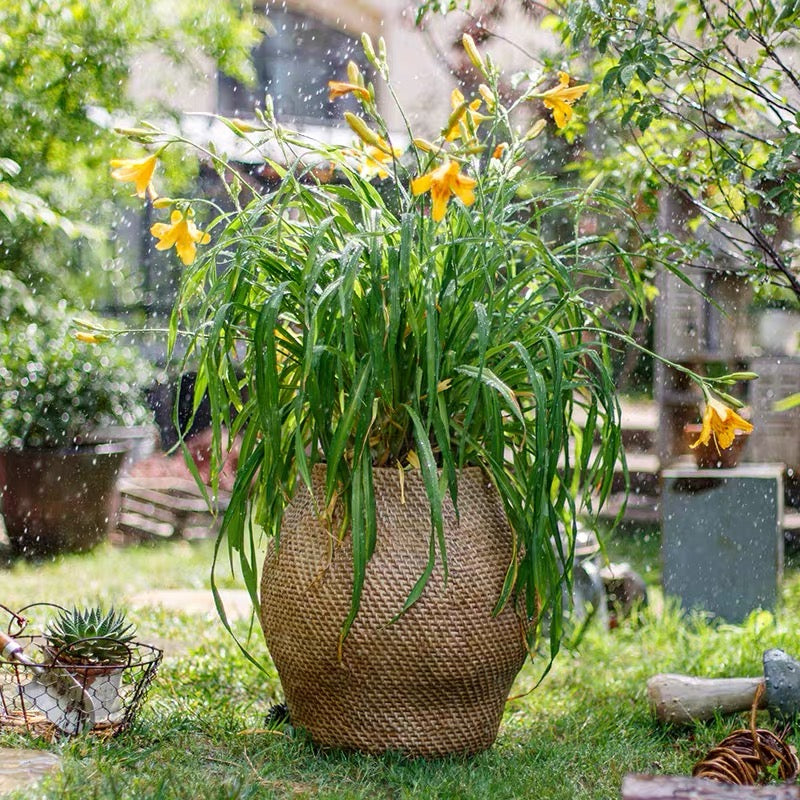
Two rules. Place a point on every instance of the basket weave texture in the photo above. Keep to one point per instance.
(435, 681)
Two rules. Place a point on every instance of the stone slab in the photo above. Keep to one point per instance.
(20, 768)
(195, 601)
(722, 543)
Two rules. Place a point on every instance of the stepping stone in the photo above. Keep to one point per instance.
(196, 601)
(23, 768)
(189, 601)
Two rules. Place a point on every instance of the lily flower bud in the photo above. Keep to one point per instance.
(354, 73)
(369, 50)
(472, 51)
(362, 130)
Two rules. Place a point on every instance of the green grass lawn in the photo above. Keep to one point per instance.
(201, 733)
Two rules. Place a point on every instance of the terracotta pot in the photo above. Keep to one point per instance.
(433, 681)
(710, 456)
(59, 500)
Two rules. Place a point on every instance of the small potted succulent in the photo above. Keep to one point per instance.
(58, 479)
(95, 647)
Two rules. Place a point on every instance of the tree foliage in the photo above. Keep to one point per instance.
(59, 59)
(698, 97)
(710, 97)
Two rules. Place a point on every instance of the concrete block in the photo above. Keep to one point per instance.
(722, 542)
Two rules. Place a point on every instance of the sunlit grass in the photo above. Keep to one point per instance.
(201, 733)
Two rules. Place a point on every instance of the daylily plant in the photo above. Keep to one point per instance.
(138, 171)
(374, 161)
(458, 126)
(370, 332)
(182, 234)
(442, 183)
(561, 97)
(340, 89)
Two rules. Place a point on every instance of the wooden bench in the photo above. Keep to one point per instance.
(167, 508)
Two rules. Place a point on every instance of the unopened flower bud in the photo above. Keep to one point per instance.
(362, 130)
(354, 74)
(472, 51)
(87, 324)
(91, 338)
(369, 50)
(742, 376)
(488, 96)
(137, 133)
(245, 127)
(269, 108)
(535, 130)
(729, 399)
(454, 118)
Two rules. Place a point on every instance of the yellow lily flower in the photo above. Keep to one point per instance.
(138, 171)
(454, 128)
(443, 182)
(721, 423)
(375, 160)
(340, 88)
(182, 233)
(560, 98)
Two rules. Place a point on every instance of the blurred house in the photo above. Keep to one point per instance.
(306, 44)
(309, 42)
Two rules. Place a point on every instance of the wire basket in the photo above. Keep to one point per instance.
(53, 696)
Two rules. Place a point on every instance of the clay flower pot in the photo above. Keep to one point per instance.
(58, 501)
(711, 456)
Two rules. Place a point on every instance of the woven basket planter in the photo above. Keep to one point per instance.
(435, 681)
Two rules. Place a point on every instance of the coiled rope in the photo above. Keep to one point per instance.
(748, 757)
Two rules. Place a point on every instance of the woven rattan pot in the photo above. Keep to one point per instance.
(434, 682)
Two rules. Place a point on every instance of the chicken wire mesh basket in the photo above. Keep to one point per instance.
(47, 693)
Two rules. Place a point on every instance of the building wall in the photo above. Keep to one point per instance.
(420, 75)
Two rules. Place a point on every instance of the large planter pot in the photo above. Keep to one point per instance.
(59, 500)
(435, 681)
(140, 441)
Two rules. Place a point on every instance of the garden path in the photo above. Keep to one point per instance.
(195, 601)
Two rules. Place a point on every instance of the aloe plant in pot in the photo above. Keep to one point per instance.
(58, 493)
(416, 351)
(94, 646)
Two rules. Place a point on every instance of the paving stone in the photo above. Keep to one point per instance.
(195, 601)
(199, 602)
(22, 768)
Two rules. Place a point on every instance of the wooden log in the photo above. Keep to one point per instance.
(683, 699)
(668, 787)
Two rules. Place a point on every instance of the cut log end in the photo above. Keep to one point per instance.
(667, 787)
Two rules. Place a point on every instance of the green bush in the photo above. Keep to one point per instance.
(54, 387)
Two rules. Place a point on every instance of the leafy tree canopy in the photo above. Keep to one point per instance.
(58, 60)
(698, 98)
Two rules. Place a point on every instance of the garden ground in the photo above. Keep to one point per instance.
(202, 732)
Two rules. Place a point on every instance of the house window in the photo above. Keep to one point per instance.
(294, 64)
